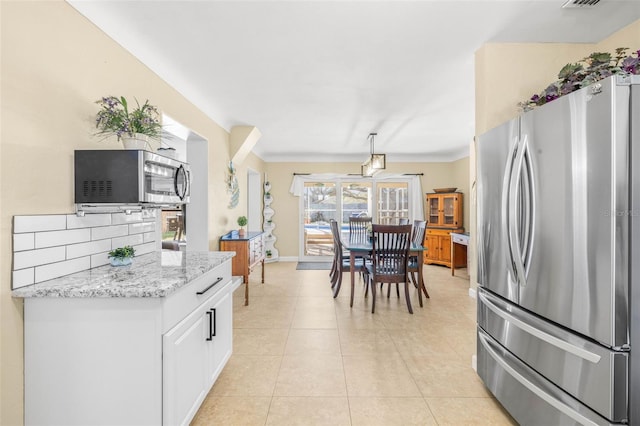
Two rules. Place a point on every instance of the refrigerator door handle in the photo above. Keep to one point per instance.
(506, 197)
(530, 208)
(552, 340)
(514, 234)
(533, 387)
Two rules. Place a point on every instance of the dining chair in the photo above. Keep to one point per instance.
(358, 228)
(403, 221)
(415, 262)
(341, 262)
(389, 257)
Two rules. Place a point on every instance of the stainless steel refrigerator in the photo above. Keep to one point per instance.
(558, 237)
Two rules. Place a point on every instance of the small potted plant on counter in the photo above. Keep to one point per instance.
(122, 256)
(242, 222)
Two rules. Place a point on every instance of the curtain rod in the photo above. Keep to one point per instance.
(357, 174)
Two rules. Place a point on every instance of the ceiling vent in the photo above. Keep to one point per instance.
(570, 4)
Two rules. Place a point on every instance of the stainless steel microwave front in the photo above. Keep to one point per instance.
(130, 177)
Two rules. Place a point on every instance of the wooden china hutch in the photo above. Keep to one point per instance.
(444, 216)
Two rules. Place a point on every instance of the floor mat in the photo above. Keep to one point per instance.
(313, 266)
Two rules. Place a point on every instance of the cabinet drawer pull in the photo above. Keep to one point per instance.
(210, 327)
(209, 288)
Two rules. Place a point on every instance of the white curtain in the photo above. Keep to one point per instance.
(415, 187)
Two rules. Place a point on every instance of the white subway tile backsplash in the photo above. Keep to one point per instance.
(60, 238)
(39, 223)
(22, 278)
(59, 269)
(120, 218)
(85, 249)
(99, 259)
(24, 241)
(109, 232)
(137, 228)
(129, 240)
(145, 248)
(29, 258)
(88, 221)
(51, 246)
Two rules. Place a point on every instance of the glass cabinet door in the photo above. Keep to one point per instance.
(434, 207)
(448, 210)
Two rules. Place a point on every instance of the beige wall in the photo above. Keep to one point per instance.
(285, 205)
(55, 64)
(510, 73)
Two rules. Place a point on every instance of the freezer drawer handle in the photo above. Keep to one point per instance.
(559, 343)
(532, 387)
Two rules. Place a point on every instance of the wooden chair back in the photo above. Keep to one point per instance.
(358, 228)
(391, 244)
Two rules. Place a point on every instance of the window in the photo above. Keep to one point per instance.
(385, 200)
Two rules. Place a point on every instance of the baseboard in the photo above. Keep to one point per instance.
(474, 362)
(288, 258)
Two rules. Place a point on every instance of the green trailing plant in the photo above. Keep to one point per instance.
(122, 252)
(595, 67)
(117, 118)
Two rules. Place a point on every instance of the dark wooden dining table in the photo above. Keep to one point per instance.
(363, 248)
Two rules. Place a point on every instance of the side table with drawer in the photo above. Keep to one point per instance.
(250, 250)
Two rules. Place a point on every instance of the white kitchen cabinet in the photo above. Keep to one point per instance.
(194, 353)
(127, 360)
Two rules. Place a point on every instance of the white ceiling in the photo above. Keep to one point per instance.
(316, 77)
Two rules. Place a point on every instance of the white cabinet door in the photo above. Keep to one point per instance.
(221, 344)
(185, 376)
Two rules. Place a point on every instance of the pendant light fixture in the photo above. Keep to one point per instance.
(375, 162)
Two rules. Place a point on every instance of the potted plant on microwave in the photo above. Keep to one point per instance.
(133, 126)
(122, 256)
(242, 222)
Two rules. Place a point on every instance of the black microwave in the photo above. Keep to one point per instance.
(130, 177)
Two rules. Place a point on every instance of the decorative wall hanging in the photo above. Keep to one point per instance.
(232, 186)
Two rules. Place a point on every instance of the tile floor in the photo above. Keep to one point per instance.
(301, 357)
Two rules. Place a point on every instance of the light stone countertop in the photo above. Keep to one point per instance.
(155, 274)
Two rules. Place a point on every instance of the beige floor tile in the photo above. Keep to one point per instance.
(468, 411)
(366, 342)
(445, 379)
(378, 375)
(237, 411)
(315, 317)
(248, 375)
(423, 343)
(294, 339)
(390, 412)
(311, 375)
(259, 341)
(312, 341)
(309, 411)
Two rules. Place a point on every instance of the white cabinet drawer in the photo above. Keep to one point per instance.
(180, 304)
(460, 239)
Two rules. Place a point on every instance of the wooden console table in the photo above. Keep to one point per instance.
(249, 252)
